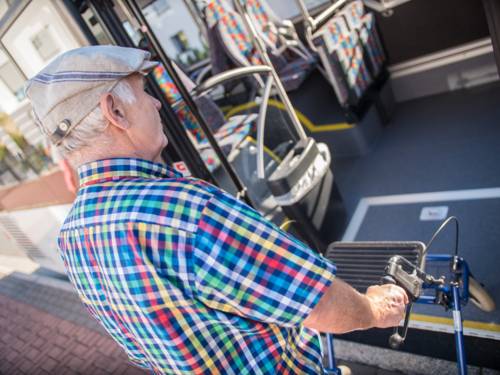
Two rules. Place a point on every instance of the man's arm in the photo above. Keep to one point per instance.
(342, 309)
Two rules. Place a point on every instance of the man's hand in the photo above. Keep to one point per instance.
(388, 303)
(343, 309)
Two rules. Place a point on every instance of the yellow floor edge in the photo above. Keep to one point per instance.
(304, 120)
(492, 327)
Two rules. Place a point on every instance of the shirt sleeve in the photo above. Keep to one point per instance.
(246, 265)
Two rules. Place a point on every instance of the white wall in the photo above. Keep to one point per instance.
(8, 101)
(36, 17)
(41, 226)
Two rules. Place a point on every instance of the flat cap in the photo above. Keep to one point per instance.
(70, 87)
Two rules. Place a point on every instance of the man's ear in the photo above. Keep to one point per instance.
(113, 110)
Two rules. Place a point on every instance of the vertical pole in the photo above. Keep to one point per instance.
(304, 10)
(332, 365)
(259, 44)
(195, 14)
(459, 335)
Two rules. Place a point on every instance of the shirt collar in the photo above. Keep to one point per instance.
(118, 168)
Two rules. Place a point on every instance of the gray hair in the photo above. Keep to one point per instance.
(94, 124)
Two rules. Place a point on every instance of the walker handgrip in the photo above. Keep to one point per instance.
(412, 283)
(388, 280)
(395, 340)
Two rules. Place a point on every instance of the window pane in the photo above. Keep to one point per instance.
(176, 30)
(289, 9)
(45, 44)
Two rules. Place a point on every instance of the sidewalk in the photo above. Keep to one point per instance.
(47, 331)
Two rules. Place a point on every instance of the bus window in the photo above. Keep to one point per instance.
(176, 30)
(289, 9)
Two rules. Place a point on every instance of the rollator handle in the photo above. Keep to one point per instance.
(401, 272)
(397, 339)
(388, 280)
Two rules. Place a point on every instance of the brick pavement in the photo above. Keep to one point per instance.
(35, 341)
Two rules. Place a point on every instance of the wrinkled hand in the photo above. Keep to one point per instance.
(388, 303)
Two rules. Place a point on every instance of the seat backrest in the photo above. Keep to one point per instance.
(334, 31)
(353, 14)
(264, 19)
(207, 107)
(350, 53)
(364, 23)
(326, 39)
(342, 57)
(371, 42)
(232, 33)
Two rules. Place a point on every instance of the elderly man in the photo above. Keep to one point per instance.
(187, 279)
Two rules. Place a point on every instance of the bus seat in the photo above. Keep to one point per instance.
(232, 33)
(372, 44)
(350, 54)
(232, 38)
(279, 35)
(354, 14)
(341, 53)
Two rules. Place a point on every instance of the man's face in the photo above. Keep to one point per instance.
(146, 131)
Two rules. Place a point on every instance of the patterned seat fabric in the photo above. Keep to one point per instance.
(354, 14)
(229, 137)
(233, 39)
(350, 55)
(373, 45)
(352, 52)
(342, 56)
(174, 98)
(231, 28)
(264, 21)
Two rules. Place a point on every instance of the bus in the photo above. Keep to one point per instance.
(339, 120)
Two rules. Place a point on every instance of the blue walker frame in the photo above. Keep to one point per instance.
(456, 293)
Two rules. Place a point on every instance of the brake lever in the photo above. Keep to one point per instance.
(411, 281)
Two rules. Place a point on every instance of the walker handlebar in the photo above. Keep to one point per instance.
(401, 272)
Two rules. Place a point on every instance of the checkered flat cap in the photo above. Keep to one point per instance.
(70, 87)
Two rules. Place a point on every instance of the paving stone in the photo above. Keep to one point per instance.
(55, 352)
(49, 364)
(37, 342)
(26, 365)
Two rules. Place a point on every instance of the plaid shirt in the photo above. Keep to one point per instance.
(187, 279)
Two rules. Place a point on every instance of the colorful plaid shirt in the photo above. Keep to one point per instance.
(187, 279)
